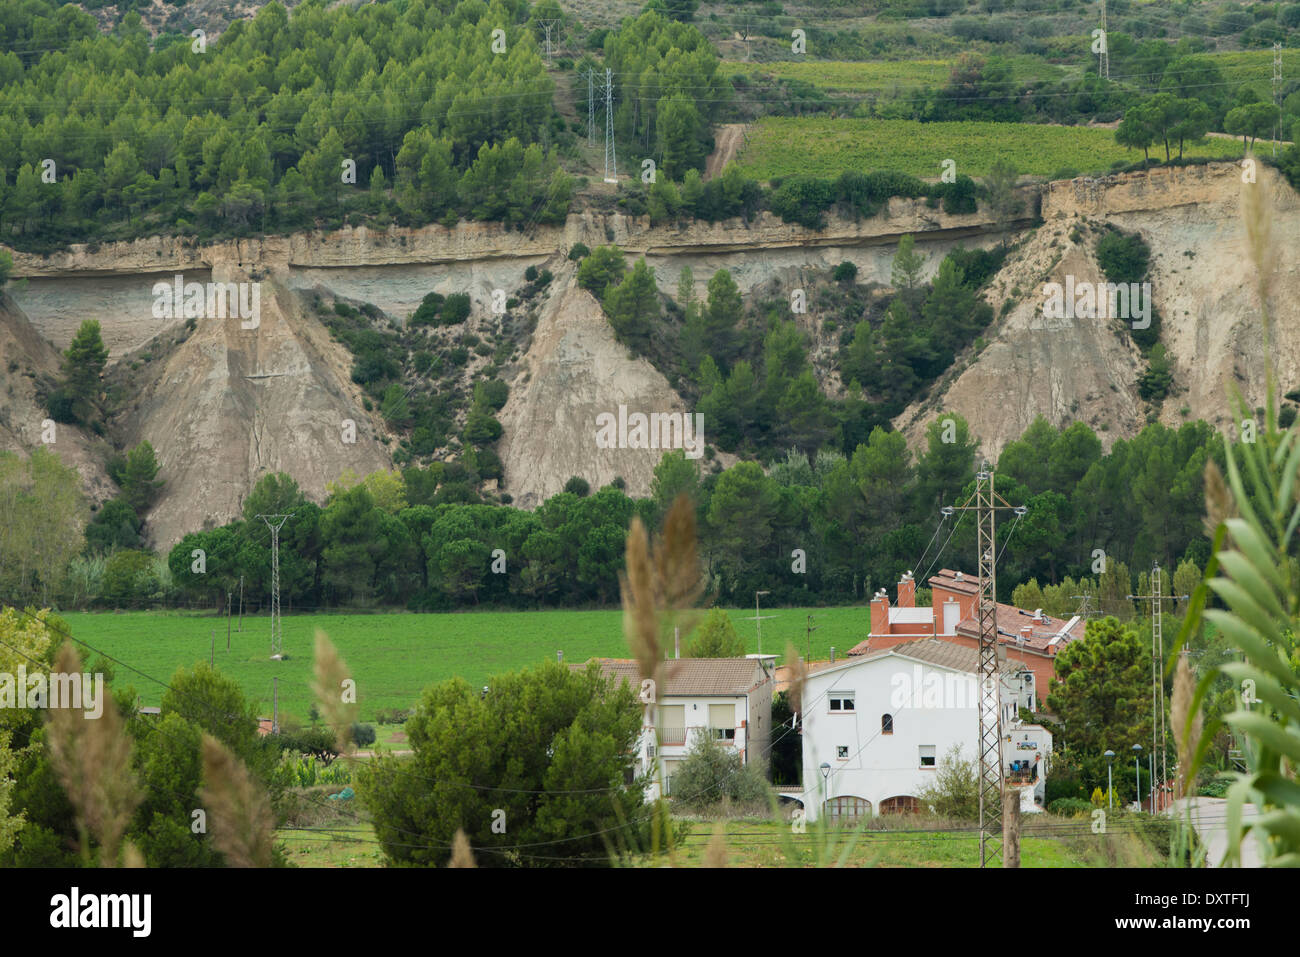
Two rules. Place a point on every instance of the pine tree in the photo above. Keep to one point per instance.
(83, 364)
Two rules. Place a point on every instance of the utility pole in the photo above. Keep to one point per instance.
(611, 162)
(758, 620)
(275, 523)
(1157, 674)
(1157, 599)
(241, 604)
(546, 25)
(986, 503)
(227, 621)
(1084, 602)
(275, 705)
(808, 638)
(212, 647)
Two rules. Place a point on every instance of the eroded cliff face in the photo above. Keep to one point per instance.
(224, 406)
(28, 365)
(574, 371)
(1203, 282)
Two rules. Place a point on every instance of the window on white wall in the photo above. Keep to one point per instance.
(842, 702)
(842, 752)
(722, 719)
(927, 755)
(886, 724)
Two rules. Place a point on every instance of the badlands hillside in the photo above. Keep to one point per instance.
(224, 405)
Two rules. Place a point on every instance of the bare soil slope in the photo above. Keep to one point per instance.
(229, 405)
(29, 362)
(574, 370)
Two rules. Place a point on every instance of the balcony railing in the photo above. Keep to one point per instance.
(668, 736)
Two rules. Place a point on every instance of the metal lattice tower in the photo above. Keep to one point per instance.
(275, 523)
(611, 162)
(547, 26)
(986, 503)
(1277, 89)
(1160, 734)
(591, 106)
(1105, 44)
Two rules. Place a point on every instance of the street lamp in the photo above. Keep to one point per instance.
(758, 623)
(1137, 774)
(826, 775)
(1110, 785)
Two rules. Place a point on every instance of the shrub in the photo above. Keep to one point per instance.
(845, 272)
(579, 251)
(712, 774)
(954, 792)
(1069, 807)
(578, 486)
(363, 734)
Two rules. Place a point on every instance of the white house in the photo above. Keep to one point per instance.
(728, 698)
(876, 727)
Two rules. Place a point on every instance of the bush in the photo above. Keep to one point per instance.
(954, 792)
(1069, 807)
(579, 251)
(712, 774)
(845, 272)
(578, 486)
(1123, 257)
(363, 734)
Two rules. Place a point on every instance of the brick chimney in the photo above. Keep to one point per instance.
(1025, 632)
(907, 591)
(880, 613)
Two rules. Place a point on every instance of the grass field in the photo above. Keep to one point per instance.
(752, 842)
(785, 146)
(393, 657)
(851, 76)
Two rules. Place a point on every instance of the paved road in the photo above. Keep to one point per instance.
(1209, 817)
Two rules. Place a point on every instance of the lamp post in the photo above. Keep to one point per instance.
(758, 623)
(1137, 774)
(1110, 781)
(826, 775)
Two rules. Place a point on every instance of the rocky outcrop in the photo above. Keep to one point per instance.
(574, 371)
(1203, 281)
(227, 405)
(28, 369)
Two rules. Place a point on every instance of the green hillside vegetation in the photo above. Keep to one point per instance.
(780, 146)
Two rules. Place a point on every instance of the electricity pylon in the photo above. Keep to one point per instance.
(275, 523)
(986, 503)
(611, 163)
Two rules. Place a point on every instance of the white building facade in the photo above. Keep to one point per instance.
(876, 728)
(728, 699)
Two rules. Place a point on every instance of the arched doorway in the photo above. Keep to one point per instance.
(847, 809)
(900, 804)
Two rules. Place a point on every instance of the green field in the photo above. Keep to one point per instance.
(1253, 66)
(393, 657)
(349, 841)
(851, 76)
(814, 146)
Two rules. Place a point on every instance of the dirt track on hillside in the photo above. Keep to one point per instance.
(731, 137)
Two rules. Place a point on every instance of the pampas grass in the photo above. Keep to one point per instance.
(92, 760)
(1186, 725)
(660, 586)
(239, 814)
(461, 855)
(331, 685)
